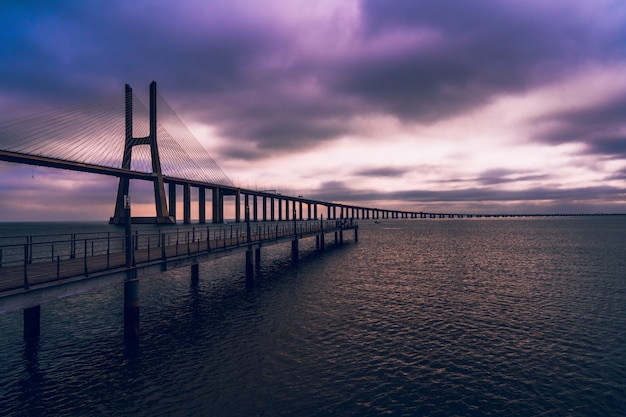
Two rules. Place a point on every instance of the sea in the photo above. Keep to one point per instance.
(424, 317)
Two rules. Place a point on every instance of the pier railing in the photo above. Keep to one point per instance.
(34, 259)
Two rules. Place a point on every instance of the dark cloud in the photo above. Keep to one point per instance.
(483, 197)
(600, 127)
(470, 52)
(221, 64)
(382, 172)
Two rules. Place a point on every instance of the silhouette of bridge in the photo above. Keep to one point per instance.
(125, 139)
(103, 138)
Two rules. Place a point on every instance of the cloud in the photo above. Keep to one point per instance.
(417, 200)
(382, 172)
(601, 126)
(410, 88)
(284, 81)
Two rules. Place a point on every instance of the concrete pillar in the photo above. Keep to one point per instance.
(264, 208)
(172, 197)
(201, 205)
(299, 209)
(272, 209)
(187, 203)
(195, 274)
(280, 209)
(315, 211)
(255, 216)
(218, 205)
(249, 267)
(294, 250)
(32, 323)
(238, 206)
(131, 307)
(286, 209)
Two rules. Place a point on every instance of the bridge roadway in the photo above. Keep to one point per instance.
(90, 262)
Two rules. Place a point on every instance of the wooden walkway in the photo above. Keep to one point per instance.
(25, 275)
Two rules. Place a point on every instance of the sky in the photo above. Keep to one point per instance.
(476, 106)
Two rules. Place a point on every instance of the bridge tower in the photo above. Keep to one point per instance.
(162, 214)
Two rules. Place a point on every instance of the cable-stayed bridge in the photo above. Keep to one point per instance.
(126, 139)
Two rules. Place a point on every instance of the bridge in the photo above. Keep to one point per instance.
(106, 138)
(102, 139)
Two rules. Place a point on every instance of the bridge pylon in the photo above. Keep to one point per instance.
(162, 214)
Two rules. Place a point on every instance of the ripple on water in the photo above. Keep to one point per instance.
(511, 317)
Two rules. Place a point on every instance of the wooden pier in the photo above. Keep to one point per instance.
(46, 268)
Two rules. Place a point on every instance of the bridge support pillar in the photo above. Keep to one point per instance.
(238, 206)
(264, 207)
(32, 323)
(218, 205)
(171, 188)
(162, 214)
(201, 205)
(187, 203)
(272, 214)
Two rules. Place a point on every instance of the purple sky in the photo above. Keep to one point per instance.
(467, 106)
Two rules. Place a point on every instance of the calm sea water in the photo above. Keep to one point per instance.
(423, 317)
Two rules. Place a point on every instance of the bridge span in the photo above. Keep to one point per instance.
(39, 269)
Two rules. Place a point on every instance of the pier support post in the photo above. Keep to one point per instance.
(131, 284)
(32, 323)
(195, 274)
(294, 250)
(257, 258)
(249, 267)
(131, 307)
